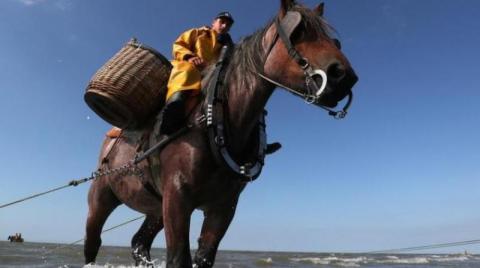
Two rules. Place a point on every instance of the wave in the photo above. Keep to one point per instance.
(357, 261)
(107, 265)
(265, 261)
(333, 260)
(410, 260)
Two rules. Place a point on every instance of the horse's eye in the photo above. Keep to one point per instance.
(337, 43)
(297, 34)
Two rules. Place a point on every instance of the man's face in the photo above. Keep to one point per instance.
(221, 25)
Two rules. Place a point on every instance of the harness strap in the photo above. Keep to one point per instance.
(336, 114)
(217, 134)
(290, 48)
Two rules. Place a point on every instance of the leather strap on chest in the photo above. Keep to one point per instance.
(215, 120)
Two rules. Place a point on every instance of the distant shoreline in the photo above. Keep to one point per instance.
(460, 252)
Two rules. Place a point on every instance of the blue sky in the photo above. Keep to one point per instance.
(401, 170)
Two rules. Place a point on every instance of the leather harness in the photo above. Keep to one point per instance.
(214, 115)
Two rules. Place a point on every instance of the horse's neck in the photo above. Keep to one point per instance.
(247, 92)
(246, 103)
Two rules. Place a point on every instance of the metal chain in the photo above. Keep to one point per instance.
(127, 169)
(130, 168)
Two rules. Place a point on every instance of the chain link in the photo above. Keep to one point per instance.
(131, 168)
(127, 169)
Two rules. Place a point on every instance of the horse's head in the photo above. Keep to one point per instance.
(303, 57)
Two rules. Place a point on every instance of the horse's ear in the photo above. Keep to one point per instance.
(319, 9)
(285, 5)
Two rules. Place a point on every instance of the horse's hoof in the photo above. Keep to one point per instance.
(202, 263)
(142, 257)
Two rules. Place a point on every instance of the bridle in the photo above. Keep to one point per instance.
(313, 91)
(214, 114)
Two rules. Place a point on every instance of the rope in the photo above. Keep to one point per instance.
(125, 168)
(71, 183)
(433, 246)
(122, 224)
(104, 231)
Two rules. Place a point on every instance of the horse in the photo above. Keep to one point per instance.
(295, 50)
(15, 238)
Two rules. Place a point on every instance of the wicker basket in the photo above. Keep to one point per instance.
(130, 87)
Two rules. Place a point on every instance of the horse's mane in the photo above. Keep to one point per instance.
(249, 56)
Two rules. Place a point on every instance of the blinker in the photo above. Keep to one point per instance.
(290, 22)
(315, 79)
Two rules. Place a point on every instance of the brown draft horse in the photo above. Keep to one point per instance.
(188, 176)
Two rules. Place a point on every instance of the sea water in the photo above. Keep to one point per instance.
(52, 255)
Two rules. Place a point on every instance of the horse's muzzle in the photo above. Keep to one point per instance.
(340, 84)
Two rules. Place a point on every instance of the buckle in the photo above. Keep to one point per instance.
(303, 62)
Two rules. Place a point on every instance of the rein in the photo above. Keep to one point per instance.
(314, 91)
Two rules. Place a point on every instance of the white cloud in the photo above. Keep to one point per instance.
(59, 4)
(63, 4)
(30, 2)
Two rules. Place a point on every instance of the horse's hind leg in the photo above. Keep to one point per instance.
(214, 226)
(143, 239)
(101, 203)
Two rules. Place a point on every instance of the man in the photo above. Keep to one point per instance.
(193, 51)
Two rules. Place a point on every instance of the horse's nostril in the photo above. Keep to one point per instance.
(336, 71)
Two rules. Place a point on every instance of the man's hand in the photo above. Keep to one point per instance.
(197, 61)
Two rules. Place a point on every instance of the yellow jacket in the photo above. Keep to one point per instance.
(201, 42)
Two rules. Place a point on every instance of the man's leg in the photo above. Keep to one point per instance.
(173, 114)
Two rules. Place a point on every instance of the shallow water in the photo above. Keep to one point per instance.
(52, 255)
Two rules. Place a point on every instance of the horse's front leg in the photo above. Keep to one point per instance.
(177, 210)
(214, 227)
